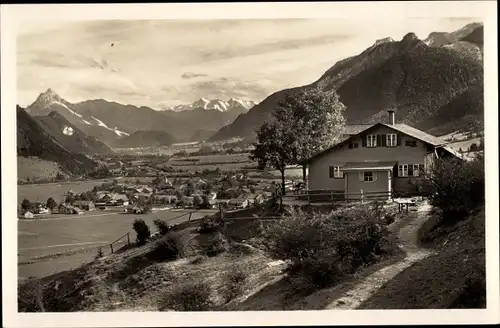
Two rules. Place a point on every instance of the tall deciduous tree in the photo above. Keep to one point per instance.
(305, 122)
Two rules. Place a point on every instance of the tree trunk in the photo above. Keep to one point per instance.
(283, 182)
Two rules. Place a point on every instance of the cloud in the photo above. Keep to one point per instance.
(188, 75)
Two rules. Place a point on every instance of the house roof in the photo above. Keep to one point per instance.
(400, 127)
(373, 165)
(354, 129)
(83, 202)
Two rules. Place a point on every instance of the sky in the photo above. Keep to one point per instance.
(161, 63)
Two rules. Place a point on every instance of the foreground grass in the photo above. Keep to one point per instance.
(453, 278)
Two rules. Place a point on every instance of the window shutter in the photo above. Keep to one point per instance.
(384, 140)
(379, 140)
(363, 141)
(330, 172)
(398, 136)
(395, 171)
(361, 176)
(374, 176)
(410, 170)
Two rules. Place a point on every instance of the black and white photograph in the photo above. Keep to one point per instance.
(202, 159)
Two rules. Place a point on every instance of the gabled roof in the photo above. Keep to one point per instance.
(400, 127)
(353, 129)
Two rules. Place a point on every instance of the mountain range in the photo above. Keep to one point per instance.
(216, 104)
(111, 121)
(434, 84)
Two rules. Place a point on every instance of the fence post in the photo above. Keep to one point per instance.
(331, 193)
(128, 237)
(189, 220)
(308, 198)
(111, 245)
(362, 196)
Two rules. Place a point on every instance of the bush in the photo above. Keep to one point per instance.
(170, 247)
(30, 296)
(142, 231)
(325, 248)
(456, 187)
(199, 259)
(217, 245)
(211, 224)
(26, 204)
(162, 226)
(234, 280)
(99, 253)
(194, 296)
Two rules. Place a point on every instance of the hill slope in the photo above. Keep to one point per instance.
(145, 139)
(70, 136)
(33, 140)
(418, 80)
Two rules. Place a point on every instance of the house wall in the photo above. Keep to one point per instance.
(355, 185)
(319, 167)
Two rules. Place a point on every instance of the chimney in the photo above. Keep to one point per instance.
(392, 119)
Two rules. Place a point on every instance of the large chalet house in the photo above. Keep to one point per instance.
(381, 157)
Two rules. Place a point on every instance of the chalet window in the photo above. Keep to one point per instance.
(411, 143)
(368, 176)
(353, 145)
(416, 170)
(391, 140)
(403, 170)
(371, 140)
(336, 172)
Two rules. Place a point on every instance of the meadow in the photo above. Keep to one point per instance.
(81, 235)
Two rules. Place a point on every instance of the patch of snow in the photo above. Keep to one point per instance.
(86, 122)
(70, 110)
(115, 130)
(68, 131)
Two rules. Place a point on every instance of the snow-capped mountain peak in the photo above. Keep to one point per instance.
(216, 104)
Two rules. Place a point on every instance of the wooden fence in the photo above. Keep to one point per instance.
(335, 196)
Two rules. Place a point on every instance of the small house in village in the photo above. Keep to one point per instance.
(134, 209)
(381, 157)
(28, 215)
(69, 209)
(240, 202)
(255, 199)
(86, 205)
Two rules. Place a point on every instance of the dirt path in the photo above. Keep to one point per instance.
(361, 291)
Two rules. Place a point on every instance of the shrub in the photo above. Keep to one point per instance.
(142, 231)
(325, 248)
(26, 204)
(197, 201)
(217, 245)
(30, 296)
(234, 280)
(211, 224)
(99, 253)
(162, 226)
(456, 187)
(170, 247)
(195, 296)
(199, 259)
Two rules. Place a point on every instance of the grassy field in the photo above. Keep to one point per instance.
(39, 238)
(35, 168)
